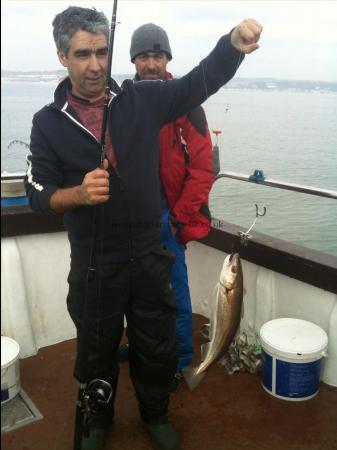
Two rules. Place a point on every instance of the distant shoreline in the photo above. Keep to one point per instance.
(266, 84)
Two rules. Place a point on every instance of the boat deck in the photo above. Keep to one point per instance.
(225, 412)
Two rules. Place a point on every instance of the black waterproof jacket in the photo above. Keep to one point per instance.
(63, 151)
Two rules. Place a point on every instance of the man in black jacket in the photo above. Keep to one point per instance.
(64, 177)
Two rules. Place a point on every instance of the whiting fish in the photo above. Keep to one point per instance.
(225, 319)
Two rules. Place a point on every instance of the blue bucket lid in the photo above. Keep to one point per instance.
(13, 201)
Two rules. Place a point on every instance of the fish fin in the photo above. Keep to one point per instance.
(204, 350)
(191, 376)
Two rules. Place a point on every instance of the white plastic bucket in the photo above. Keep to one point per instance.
(10, 369)
(292, 351)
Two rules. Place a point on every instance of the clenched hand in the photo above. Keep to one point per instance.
(95, 186)
(246, 35)
(93, 190)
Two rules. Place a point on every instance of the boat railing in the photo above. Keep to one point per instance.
(12, 176)
(305, 264)
(258, 177)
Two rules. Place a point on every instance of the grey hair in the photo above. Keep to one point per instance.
(75, 18)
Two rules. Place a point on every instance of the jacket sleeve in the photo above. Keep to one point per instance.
(43, 175)
(171, 99)
(200, 177)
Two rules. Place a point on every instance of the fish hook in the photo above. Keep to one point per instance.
(258, 213)
(244, 236)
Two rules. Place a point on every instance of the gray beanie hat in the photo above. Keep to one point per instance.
(149, 38)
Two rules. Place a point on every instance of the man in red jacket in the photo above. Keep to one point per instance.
(186, 178)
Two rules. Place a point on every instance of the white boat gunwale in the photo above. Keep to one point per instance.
(305, 264)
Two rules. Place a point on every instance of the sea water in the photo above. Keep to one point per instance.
(291, 136)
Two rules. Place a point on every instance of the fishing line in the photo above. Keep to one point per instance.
(233, 247)
(240, 59)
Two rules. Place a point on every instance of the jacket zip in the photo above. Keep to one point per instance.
(115, 169)
(79, 124)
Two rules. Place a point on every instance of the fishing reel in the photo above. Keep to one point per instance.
(96, 397)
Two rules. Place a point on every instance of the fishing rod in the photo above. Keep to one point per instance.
(107, 83)
(93, 397)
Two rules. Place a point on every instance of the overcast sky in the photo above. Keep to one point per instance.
(299, 40)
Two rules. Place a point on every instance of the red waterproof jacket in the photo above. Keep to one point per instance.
(186, 172)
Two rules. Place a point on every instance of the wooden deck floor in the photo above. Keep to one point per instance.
(225, 412)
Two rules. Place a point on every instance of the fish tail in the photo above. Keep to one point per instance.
(192, 376)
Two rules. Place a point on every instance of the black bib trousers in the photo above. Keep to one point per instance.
(139, 290)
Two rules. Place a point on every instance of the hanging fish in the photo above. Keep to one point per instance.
(225, 319)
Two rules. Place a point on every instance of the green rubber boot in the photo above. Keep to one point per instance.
(96, 438)
(164, 436)
(98, 431)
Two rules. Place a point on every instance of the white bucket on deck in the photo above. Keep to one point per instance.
(293, 350)
(10, 369)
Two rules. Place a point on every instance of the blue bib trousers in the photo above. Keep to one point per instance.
(179, 282)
